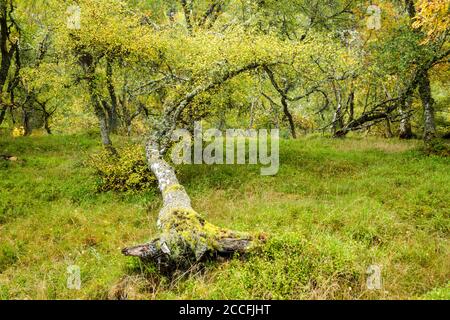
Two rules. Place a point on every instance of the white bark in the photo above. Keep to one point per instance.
(185, 235)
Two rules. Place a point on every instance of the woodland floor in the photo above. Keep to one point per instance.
(335, 208)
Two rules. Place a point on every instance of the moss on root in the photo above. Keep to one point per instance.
(188, 235)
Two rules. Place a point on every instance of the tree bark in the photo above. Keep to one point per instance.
(337, 123)
(26, 122)
(351, 106)
(405, 131)
(185, 236)
(7, 49)
(284, 100)
(102, 121)
(47, 124)
(288, 115)
(6, 53)
(388, 132)
(104, 129)
(99, 110)
(112, 111)
(429, 125)
(2, 115)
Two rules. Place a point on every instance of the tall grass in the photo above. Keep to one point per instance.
(335, 208)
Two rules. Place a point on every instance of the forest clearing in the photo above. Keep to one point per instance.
(224, 149)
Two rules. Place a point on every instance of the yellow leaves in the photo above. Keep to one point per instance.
(128, 171)
(18, 132)
(433, 17)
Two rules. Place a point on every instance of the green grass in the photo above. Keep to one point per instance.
(335, 208)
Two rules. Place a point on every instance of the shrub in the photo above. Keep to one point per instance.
(438, 147)
(124, 172)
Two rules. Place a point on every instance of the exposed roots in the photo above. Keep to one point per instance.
(187, 238)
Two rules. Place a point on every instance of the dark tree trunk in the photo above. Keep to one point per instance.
(337, 123)
(351, 106)
(104, 129)
(388, 132)
(186, 237)
(410, 9)
(26, 122)
(288, 115)
(102, 121)
(112, 111)
(429, 125)
(6, 51)
(2, 115)
(47, 124)
(284, 99)
(87, 61)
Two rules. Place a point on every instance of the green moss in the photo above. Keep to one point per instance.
(186, 232)
(172, 188)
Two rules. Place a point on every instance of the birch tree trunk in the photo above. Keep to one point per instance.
(429, 125)
(405, 123)
(388, 130)
(2, 114)
(186, 237)
(337, 117)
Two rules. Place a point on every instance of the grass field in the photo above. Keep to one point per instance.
(334, 209)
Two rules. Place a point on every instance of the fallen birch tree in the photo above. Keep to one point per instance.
(185, 236)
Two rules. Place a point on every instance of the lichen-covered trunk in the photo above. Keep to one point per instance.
(388, 130)
(102, 119)
(2, 115)
(186, 237)
(429, 125)
(337, 122)
(112, 110)
(27, 129)
(47, 125)
(104, 130)
(405, 131)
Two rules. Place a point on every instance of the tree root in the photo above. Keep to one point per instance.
(186, 238)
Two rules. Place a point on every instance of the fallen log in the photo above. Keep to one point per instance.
(186, 237)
